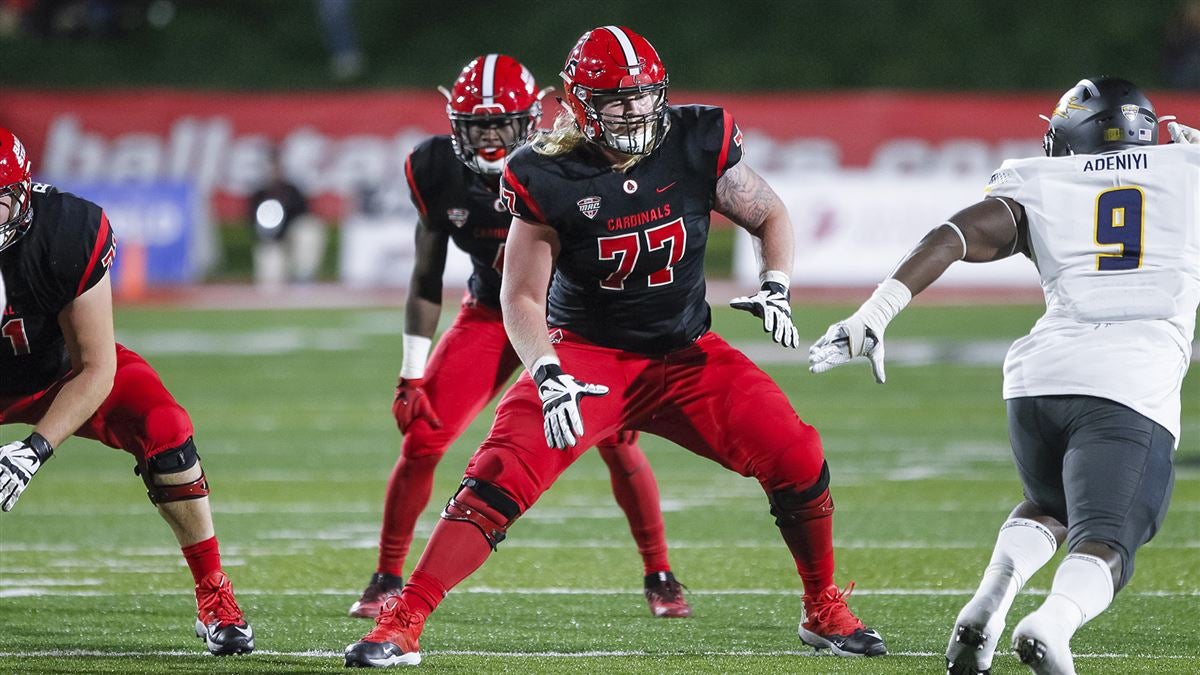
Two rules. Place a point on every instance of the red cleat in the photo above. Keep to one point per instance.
(829, 623)
(393, 641)
(219, 621)
(381, 587)
(665, 596)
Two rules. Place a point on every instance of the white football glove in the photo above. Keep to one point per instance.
(1181, 133)
(19, 460)
(842, 342)
(771, 304)
(560, 394)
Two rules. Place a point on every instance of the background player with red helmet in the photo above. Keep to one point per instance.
(62, 372)
(616, 204)
(494, 107)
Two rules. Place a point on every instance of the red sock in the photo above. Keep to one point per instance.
(455, 550)
(203, 557)
(636, 491)
(407, 496)
(811, 542)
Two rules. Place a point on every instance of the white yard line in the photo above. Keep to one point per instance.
(325, 654)
(22, 588)
(293, 339)
(297, 543)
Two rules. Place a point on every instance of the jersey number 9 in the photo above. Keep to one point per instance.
(1119, 223)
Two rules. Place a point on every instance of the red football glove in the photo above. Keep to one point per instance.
(412, 404)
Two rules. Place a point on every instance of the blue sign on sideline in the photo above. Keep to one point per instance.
(160, 217)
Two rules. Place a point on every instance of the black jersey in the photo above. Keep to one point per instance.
(67, 250)
(630, 270)
(465, 205)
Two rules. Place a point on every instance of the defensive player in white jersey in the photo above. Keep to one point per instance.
(1112, 222)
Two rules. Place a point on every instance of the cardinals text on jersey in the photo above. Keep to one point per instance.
(630, 269)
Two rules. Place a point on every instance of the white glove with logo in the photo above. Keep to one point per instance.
(842, 342)
(560, 394)
(1181, 133)
(18, 462)
(772, 305)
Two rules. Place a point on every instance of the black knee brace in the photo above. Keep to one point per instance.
(792, 507)
(465, 506)
(175, 460)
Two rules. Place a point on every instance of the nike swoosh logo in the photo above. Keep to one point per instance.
(666, 187)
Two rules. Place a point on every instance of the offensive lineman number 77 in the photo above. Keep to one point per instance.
(626, 249)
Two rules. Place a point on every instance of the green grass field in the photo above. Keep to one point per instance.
(293, 421)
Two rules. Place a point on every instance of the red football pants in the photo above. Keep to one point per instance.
(139, 416)
(470, 365)
(707, 397)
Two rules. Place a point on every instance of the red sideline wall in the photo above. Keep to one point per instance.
(217, 138)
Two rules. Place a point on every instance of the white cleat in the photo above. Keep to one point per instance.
(1040, 643)
(973, 641)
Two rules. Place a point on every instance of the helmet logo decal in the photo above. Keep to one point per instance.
(1145, 134)
(630, 186)
(458, 216)
(18, 151)
(632, 62)
(589, 206)
(1068, 104)
(1130, 111)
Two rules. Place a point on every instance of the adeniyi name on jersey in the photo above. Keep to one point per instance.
(1114, 238)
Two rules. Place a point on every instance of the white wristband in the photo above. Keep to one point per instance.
(544, 361)
(781, 278)
(416, 352)
(885, 303)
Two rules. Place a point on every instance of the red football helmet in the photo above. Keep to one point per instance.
(494, 108)
(15, 183)
(615, 66)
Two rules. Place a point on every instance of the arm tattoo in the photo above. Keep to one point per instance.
(744, 197)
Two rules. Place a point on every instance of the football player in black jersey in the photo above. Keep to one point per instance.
(615, 203)
(494, 107)
(62, 371)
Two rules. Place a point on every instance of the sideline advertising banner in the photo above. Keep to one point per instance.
(158, 240)
(864, 173)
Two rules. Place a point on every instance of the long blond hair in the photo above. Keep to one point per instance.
(563, 138)
(566, 136)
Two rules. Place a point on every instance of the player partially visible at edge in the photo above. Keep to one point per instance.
(1112, 222)
(62, 371)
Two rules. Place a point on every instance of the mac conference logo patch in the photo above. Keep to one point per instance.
(458, 216)
(589, 206)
